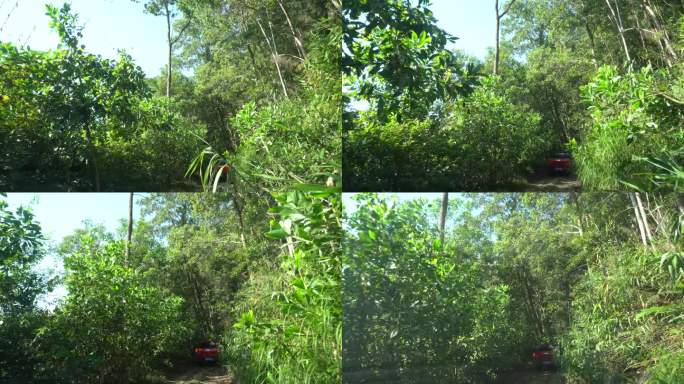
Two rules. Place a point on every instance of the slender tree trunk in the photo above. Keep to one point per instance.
(93, 157)
(442, 217)
(499, 16)
(254, 65)
(298, 41)
(498, 37)
(130, 228)
(663, 35)
(170, 43)
(592, 43)
(238, 210)
(199, 306)
(617, 19)
(641, 31)
(536, 317)
(580, 212)
(274, 53)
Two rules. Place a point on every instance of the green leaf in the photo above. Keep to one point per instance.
(278, 233)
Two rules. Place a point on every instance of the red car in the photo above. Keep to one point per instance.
(206, 352)
(559, 162)
(543, 357)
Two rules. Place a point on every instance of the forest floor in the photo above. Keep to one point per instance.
(530, 376)
(544, 182)
(195, 374)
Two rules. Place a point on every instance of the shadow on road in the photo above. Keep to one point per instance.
(552, 183)
(196, 374)
(530, 376)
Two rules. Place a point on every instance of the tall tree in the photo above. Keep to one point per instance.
(130, 228)
(442, 217)
(170, 9)
(501, 11)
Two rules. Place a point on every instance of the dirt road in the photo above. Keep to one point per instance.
(194, 374)
(530, 377)
(552, 183)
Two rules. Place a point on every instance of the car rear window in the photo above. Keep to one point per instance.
(208, 344)
(562, 155)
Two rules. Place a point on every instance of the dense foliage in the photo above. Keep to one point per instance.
(20, 287)
(110, 315)
(604, 77)
(413, 311)
(598, 274)
(289, 327)
(255, 83)
(270, 72)
(418, 155)
(72, 120)
(259, 274)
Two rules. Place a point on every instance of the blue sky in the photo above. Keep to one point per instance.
(472, 21)
(121, 24)
(110, 25)
(59, 214)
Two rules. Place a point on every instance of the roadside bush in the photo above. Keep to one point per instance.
(165, 142)
(289, 326)
(415, 313)
(112, 326)
(623, 318)
(293, 138)
(635, 135)
(485, 141)
(497, 139)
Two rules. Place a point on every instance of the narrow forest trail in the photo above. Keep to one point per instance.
(195, 374)
(552, 183)
(530, 376)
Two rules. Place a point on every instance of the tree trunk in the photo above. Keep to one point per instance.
(663, 35)
(498, 37)
(170, 43)
(238, 210)
(536, 317)
(93, 157)
(298, 41)
(580, 212)
(274, 53)
(617, 19)
(130, 228)
(499, 16)
(442, 217)
(592, 43)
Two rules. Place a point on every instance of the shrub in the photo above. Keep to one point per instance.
(486, 140)
(632, 129)
(289, 327)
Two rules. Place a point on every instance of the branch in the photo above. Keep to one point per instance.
(507, 8)
(671, 98)
(180, 33)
